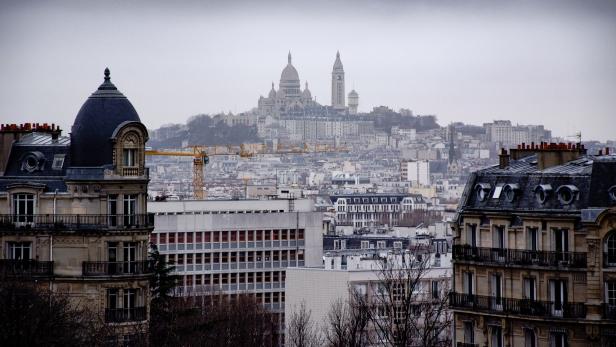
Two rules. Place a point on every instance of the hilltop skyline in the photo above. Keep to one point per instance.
(530, 63)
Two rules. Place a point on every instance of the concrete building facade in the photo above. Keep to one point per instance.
(238, 246)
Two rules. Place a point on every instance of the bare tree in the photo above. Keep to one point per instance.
(402, 312)
(301, 330)
(31, 315)
(348, 322)
(213, 320)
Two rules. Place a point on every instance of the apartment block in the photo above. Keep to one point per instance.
(74, 211)
(535, 250)
(366, 210)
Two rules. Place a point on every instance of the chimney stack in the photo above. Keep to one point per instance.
(503, 159)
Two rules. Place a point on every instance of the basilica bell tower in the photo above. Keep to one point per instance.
(338, 94)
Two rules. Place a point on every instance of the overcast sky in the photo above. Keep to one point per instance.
(550, 62)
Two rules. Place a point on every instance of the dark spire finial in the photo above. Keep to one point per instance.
(289, 57)
(107, 73)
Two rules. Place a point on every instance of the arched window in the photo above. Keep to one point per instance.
(609, 249)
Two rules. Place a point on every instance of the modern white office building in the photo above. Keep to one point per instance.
(238, 246)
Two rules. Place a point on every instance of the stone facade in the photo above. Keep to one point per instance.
(534, 253)
(76, 228)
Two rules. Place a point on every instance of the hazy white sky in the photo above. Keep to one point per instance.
(550, 62)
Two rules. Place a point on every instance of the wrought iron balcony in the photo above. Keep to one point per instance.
(116, 268)
(122, 315)
(25, 268)
(504, 256)
(63, 222)
(524, 307)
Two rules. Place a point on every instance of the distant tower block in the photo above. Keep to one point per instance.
(338, 93)
(353, 102)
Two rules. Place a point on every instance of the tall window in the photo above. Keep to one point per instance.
(558, 296)
(130, 256)
(530, 288)
(498, 243)
(471, 235)
(435, 290)
(467, 282)
(112, 298)
(561, 244)
(23, 207)
(558, 339)
(130, 209)
(530, 340)
(610, 249)
(497, 291)
(130, 298)
(112, 210)
(532, 239)
(20, 250)
(469, 332)
(130, 157)
(497, 337)
(498, 237)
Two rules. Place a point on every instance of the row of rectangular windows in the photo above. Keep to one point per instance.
(217, 212)
(235, 278)
(227, 236)
(233, 257)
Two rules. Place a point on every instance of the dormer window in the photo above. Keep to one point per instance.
(482, 190)
(567, 194)
(510, 191)
(58, 162)
(542, 192)
(130, 155)
(33, 161)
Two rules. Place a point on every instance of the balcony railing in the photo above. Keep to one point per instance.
(121, 315)
(75, 221)
(609, 311)
(25, 268)
(116, 268)
(519, 256)
(524, 307)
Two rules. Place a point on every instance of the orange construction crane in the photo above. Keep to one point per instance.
(201, 154)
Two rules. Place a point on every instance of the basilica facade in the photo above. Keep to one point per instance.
(290, 99)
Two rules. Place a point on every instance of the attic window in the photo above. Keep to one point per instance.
(511, 191)
(542, 192)
(567, 194)
(482, 190)
(497, 191)
(32, 161)
(58, 162)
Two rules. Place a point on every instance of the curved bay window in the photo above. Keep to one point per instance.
(23, 207)
(609, 249)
